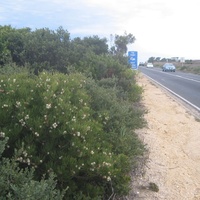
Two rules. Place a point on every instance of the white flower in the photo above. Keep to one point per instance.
(62, 92)
(84, 116)
(48, 106)
(25, 153)
(106, 164)
(2, 134)
(18, 104)
(26, 117)
(22, 122)
(55, 125)
(108, 178)
(14, 80)
(74, 119)
(92, 152)
(28, 161)
(20, 159)
(37, 134)
(78, 134)
(85, 148)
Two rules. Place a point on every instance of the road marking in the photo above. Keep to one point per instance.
(186, 101)
(189, 79)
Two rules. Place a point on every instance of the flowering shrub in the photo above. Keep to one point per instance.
(50, 118)
(119, 116)
(79, 128)
(16, 183)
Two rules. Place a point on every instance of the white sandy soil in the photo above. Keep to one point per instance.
(173, 140)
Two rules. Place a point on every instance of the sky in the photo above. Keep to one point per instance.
(162, 28)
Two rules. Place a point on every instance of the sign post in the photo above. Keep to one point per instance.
(132, 59)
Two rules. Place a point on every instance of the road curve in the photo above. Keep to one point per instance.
(185, 86)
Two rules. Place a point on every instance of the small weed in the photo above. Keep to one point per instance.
(153, 187)
(197, 119)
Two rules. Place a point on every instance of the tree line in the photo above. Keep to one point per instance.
(69, 111)
(45, 49)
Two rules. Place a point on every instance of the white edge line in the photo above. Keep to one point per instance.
(174, 93)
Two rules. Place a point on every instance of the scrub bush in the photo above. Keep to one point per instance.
(119, 117)
(16, 183)
(56, 123)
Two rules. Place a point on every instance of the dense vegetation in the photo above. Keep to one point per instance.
(68, 112)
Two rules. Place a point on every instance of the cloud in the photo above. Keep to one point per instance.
(160, 26)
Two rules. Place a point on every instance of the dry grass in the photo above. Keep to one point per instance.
(193, 67)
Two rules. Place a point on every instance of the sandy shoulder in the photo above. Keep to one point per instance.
(173, 140)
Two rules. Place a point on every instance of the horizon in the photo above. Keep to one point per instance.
(161, 28)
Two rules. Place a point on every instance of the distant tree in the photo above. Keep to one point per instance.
(157, 59)
(16, 45)
(5, 54)
(188, 61)
(97, 45)
(163, 60)
(80, 48)
(121, 42)
(151, 59)
(12, 42)
(48, 49)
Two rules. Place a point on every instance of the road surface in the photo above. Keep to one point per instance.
(184, 85)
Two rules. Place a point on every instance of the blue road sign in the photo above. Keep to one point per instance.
(133, 58)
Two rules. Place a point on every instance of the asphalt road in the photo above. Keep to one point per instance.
(185, 86)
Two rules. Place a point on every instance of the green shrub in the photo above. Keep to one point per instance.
(16, 183)
(119, 117)
(11, 68)
(153, 187)
(52, 119)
